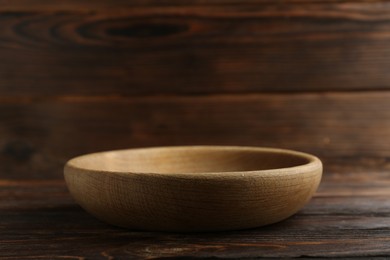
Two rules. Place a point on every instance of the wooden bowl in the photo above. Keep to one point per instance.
(194, 188)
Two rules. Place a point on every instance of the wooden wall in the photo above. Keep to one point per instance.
(80, 76)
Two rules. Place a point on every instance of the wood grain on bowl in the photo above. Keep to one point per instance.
(193, 188)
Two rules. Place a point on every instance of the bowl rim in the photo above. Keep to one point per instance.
(314, 163)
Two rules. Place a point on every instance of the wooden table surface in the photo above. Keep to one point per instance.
(348, 217)
(80, 76)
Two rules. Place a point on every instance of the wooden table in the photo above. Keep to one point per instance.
(348, 217)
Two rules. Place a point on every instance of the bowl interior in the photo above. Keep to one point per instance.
(192, 159)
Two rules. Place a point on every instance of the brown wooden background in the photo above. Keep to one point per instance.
(79, 76)
(84, 76)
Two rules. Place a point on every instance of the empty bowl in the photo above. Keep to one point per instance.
(193, 188)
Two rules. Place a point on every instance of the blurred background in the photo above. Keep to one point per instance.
(85, 76)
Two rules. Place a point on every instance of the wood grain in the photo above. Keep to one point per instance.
(352, 221)
(176, 72)
(40, 135)
(69, 5)
(193, 188)
(196, 47)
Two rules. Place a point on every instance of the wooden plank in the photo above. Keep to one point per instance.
(95, 242)
(38, 136)
(116, 48)
(58, 228)
(338, 192)
(71, 5)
